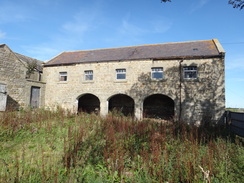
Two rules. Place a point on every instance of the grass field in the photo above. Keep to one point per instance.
(44, 146)
(235, 109)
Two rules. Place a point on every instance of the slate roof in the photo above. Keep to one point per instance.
(192, 49)
(30, 60)
(26, 59)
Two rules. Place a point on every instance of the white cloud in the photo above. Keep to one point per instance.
(10, 12)
(79, 24)
(2, 34)
(74, 27)
(70, 35)
(161, 25)
(131, 31)
(82, 29)
(149, 26)
(130, 28)
(236, 63)
(41, 52)
(198, 4)
(86, 19)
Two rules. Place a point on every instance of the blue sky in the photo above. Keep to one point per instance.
(44, 28)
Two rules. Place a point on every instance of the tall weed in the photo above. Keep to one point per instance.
(45, 146)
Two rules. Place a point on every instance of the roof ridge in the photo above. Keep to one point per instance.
(189, 49)
(54, 57)
(134, 46)
(28, 56)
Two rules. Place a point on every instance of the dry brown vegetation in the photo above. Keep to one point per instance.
(44, 146)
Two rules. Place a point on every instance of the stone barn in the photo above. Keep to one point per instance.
(182, 81)
(21, 83)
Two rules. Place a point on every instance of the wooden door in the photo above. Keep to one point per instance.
(3, 97)
(35, 97)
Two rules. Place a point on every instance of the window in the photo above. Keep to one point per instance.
(88, 75)
(157, 73)
(190, 72)
(120, 73)
(40, 76)
(63, 76)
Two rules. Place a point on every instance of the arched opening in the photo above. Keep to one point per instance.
(89, 103)
(122, 103)
(158, 106)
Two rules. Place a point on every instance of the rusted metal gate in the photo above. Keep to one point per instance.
(35, 97)
(235, 121)
(3, 97)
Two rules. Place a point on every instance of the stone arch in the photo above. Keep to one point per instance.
(158, 106)
(88, 103)
(122, 103)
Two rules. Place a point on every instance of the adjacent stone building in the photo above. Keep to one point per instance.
(176, 80)
(21, 83)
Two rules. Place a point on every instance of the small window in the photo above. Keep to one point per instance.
(88, 75)
(190, 72)
(63, 76)
(40, 76)
(157, 73)
(120, 73)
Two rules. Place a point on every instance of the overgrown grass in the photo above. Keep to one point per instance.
(44, 146)
(235, 109)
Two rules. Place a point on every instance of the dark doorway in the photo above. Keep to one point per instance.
(122, 103)
(35, 97)
(158, 106)
(89, 103)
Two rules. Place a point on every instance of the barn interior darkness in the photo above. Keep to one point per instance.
(155, 106)
(122, 103)
(158, 106)
(88, 103)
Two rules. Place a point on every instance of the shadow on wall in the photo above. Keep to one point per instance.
(188, 100)
(159, 97)
(204, 97)
(12, 105)
(193, 101)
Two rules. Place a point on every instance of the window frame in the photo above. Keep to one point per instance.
(190, 72)
(63, 76)
(157, 70)
(88, 75)
(120, 72)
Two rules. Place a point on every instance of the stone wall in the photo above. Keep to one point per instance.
(13, 75)
(194, 100)
(203, 99)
